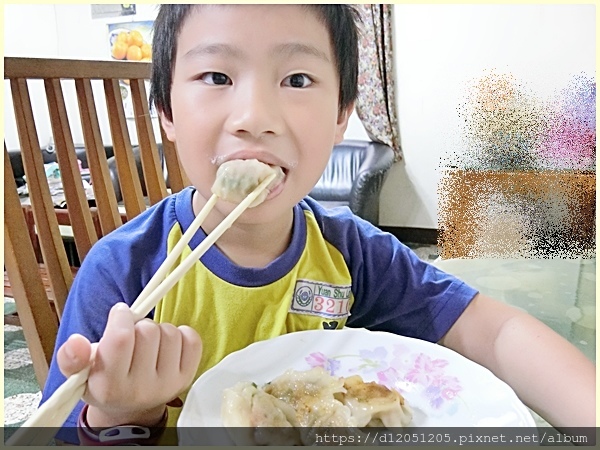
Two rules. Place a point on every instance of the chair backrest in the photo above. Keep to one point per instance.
(37, 318)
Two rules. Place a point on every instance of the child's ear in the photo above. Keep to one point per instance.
(342, 122)
(167, 125)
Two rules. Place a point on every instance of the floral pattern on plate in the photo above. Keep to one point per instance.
(397, 368)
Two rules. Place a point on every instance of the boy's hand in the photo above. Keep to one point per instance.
(138, 368)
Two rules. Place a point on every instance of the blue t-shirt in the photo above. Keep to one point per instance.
(338, 270)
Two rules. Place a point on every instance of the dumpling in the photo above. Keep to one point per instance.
(373, 404)
(236, 409)
(239, 177)
(311, 394)
(292, 408)
(253, 417)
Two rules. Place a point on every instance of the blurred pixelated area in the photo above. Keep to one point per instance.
(523, 183)
(546, 214)
(506, 124)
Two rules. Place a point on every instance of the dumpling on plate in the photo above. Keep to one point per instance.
(374, 405)
(249, 414)
(304, 402)
(311, 395)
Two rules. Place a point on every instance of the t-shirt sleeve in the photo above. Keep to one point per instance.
(394, 290)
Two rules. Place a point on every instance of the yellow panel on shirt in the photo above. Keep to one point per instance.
(315, 294)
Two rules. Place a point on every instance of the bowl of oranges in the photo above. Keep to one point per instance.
(129, 45)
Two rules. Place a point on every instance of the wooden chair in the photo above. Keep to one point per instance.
(40, 294)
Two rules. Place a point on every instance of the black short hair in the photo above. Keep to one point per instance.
(340, 20)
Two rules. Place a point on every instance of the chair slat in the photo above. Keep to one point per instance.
(84, 232)
(155, 182)
(131, 187)
(39, 322)
(104, 193)
(51, 243)
(177, 177)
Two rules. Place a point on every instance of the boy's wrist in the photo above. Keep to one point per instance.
(131, 433)
(100, 418)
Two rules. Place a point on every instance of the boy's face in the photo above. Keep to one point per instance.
(255, 81)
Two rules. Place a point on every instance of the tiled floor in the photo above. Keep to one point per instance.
(21, 390)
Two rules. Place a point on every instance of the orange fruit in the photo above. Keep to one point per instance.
(124, 37)
(119, 50)
(146, 50)
(134, 53)
(136, 38)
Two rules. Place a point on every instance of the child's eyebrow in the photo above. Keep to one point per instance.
(214, 49)
(291, 49)
(287, 49)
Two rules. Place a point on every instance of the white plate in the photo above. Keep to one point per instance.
(442, 387)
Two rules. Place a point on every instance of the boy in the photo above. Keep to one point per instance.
(275, 83)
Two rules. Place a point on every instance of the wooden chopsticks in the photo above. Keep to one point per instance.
(42, 425)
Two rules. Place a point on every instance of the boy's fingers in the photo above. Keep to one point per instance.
(74, 355)
(170, 349)
(191, 351)
(115, 349)
(147, 343)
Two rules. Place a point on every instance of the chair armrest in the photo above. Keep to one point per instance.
(366, 189)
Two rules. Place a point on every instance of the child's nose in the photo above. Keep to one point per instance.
(256, 111)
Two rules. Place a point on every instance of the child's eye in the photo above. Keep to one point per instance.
(298, 80)
(216, 78)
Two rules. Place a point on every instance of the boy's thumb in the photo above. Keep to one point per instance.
(74, 355)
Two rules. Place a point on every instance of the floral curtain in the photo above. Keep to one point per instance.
(376, 103)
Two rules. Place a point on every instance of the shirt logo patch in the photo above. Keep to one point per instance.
(321, 299)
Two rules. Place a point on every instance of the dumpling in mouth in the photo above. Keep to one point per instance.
(239, 177)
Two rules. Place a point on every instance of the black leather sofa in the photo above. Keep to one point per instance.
(49, 156)
(353, 177)
(17, 166)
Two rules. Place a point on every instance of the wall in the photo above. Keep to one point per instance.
(59, 31)
(29, 30)
(439, 49)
